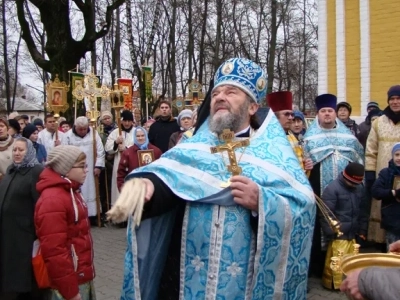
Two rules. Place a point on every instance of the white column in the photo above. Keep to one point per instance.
(340, 51)
(322, 47)
(365, 56)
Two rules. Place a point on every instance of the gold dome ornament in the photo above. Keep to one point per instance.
(351, 262)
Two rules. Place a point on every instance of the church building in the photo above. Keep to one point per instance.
(359, 50)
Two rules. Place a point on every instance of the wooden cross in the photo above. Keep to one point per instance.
(229, 146)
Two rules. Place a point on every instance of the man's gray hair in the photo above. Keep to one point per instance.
(81, 122)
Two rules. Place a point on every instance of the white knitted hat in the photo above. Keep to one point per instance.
(62, 158)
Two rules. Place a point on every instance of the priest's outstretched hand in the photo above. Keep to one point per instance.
(134, 194)
(245, 192)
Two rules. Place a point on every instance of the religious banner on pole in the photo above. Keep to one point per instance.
(148, 82)
(125, 86)
(56, 92)
(76, 79)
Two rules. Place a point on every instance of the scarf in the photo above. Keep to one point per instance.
(6, 143)
(135, 141)
(29, 159)
(395, 118)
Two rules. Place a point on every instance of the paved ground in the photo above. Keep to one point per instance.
(109, 245)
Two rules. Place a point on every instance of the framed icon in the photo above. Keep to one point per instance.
(145, 157)
(56, 92)
(309, 121)
(396, 182)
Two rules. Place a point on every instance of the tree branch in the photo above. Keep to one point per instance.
(106, 27)
(82, 6)
(26, 35)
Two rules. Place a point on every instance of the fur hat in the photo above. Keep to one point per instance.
(344, 104)
(280, 101)
(28, 130)
(244, 74)
(354, 173)
(186, 113)
(62, 158)
(325, 100)
(127, 115)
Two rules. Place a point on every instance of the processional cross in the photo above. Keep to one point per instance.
(230, 146)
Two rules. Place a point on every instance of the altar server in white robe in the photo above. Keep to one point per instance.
(51, 137)
(119, 140)
(81, 135)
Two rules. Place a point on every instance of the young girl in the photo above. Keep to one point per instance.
(384, 190)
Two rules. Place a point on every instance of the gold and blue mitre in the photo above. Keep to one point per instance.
(244, 74)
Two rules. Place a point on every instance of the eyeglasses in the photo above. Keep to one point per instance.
(84, 167)
(288, 114)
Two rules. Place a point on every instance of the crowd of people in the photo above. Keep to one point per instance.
(201, 231)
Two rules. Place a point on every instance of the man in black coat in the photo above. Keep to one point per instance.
(164, 127)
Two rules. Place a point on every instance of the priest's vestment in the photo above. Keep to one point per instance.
(221, 256)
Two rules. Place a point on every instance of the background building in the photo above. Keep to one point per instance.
(359, 51)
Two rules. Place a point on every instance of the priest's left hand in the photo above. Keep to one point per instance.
(245, 192)
(350, 286)
(96, 172)
(308, 164)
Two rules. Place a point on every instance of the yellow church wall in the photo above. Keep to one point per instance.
(352, 40)
(384, 48)
(331, 34)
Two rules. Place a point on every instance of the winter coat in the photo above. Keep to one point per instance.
(379, 283)
(62, 226)
(382, 190)
(349, 205)
(130, 161)
(352, 126)
(41, 153)
(175, 138)
(5, 155)
(18, 197)
(160, 132)
(365, 128)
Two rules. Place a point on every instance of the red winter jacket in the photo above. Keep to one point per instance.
(63, 229)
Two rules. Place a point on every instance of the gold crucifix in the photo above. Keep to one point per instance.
(229, 146)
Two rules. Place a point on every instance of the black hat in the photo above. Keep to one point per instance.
(343, 104)
(393, 91)
(25, 117)
(127, 115)
(354, 173)
(14, 124)
(374, 113)
(28, 130)
(38, 122)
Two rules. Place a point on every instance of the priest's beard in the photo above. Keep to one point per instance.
(230, 120)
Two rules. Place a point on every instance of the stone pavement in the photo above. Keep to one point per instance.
(109, 246)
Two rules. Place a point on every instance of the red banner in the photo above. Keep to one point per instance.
(125, 85)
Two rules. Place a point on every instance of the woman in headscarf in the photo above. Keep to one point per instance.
(62, 225)
(18, 197)
(6, 146)
(132, 159)
(31, 133)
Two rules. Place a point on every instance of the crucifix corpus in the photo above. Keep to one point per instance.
(230, 146)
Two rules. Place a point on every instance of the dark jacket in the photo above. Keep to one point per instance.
(63, 229)
(175, 138)
(379, 283)
(365, 128)
(349, 205)
(352, 126)
(160, 132)
(18, 197)
(382, 190)
(41, 153)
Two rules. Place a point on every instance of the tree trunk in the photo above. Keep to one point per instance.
(10, 106)
(93, 54)
(16, 70)
(172, 51)
(190, 40)
(216, 61)
(202, 39)
(272, 49)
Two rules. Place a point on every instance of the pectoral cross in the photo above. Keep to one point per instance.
(229, 146)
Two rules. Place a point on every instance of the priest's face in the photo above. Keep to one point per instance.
(327, 117)
(394, 104)
(231, 108)
(286, 119)
(81, 130)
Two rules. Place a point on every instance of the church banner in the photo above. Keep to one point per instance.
(76, 79)
(148, 82)
(125, 85)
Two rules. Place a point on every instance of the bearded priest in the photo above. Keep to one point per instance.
(245, 236)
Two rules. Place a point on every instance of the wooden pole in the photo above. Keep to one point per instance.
(96, 179)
